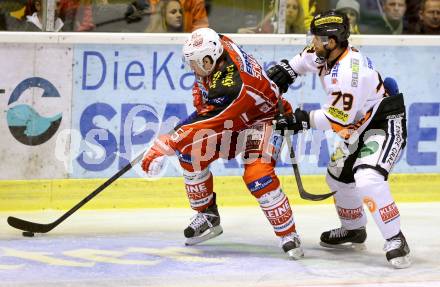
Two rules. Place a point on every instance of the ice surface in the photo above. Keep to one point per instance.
(146, 248)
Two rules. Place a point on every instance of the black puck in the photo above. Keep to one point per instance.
(28, 234)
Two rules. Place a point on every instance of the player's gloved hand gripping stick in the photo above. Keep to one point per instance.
(283, 76)
(283, 121)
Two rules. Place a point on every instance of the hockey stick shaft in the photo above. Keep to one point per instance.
(44, 228)
(302, 192)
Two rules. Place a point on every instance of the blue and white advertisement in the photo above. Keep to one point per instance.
(126, 95)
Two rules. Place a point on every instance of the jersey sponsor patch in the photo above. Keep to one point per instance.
(338, 114)
(354, 72)
(389, 212)
(394, 143)
(260, 183)
(334, 73)
(397, 116)
(184, 157)
(224, 77)
(368, 149)
(279, 215)
(277, 141)
(250, 65)
(372, 206)
(369, 63)
(349, 213)
(197, 191)
(337, 155)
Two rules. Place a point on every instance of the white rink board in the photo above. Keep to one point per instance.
(37, 84)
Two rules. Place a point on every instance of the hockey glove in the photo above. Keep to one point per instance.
(282, 75)
(297, 121)
(154, 157)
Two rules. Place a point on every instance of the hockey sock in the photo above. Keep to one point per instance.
(276, 207)
(348, 203)
(199, 188)
(376, 194)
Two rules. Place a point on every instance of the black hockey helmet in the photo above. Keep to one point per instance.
(331, 23)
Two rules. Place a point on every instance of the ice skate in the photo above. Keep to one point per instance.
(291, 244)
(341, 238)
(397, 251)
(204, 226)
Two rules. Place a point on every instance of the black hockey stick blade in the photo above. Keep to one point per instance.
(30, 226)
(302, 192)
(314, 197)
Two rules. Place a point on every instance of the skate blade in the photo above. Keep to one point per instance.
(213, 232)
(296, 253)
(345, 246)
(401, 262)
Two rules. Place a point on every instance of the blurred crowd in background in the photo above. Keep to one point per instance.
(392, 17)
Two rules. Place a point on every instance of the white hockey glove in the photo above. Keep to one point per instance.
(157, 167)
(154, 158)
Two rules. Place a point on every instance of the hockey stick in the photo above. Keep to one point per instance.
(44, 228)
(302, 192)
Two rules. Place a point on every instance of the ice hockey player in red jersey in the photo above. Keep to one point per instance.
(235, 105)
(372, 124)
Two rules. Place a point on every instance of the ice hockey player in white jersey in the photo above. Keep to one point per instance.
(372, 123)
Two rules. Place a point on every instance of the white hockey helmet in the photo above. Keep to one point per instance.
(201, 43)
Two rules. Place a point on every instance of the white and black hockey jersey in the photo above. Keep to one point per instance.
(354, 90)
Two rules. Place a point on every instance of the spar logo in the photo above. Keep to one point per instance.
(25, 123)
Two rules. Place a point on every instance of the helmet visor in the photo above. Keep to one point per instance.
(310, 39)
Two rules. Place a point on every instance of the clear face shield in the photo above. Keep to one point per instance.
(312, 39)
